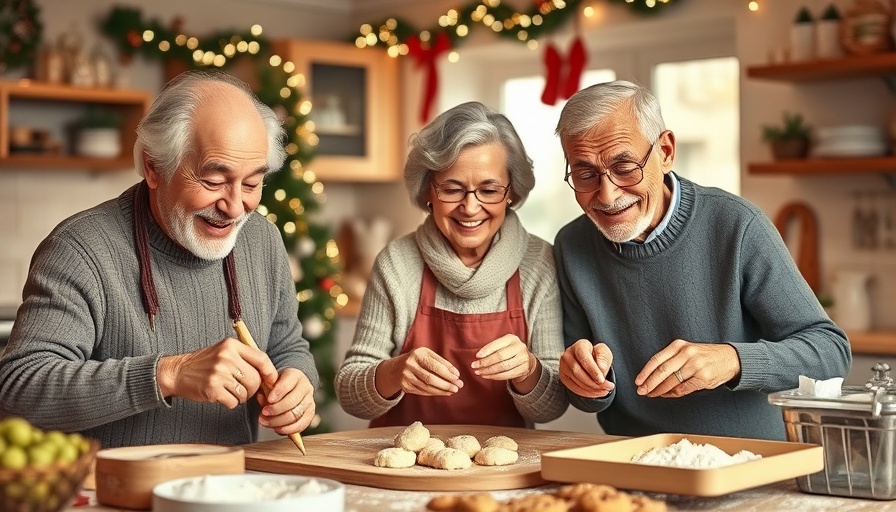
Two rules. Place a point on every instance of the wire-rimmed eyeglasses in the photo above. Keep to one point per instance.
(485, 194)
(623, 173)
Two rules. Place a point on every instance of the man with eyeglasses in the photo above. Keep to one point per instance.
(683, 308)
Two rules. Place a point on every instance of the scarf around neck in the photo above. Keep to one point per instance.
(500, 262)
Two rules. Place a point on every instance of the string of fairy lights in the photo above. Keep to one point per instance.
(457, 23)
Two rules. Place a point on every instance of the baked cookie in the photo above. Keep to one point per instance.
(395, 458)
(501, 442)
(534, 503)
(644, 504)
(412, 438)
(573, 492)
(467, 444)
(495, 456)
(480, 502)
(451, 458)
(604, 499)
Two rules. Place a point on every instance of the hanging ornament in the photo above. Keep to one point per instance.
(305, 247)
(313, 326)
(563, 77)
(327, 283)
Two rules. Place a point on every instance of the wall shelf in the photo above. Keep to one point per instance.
(873, 342)
(129, 104)
(854, 66)
(825, 166)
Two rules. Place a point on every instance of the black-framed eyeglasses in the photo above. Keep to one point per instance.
(623, 173)
(485, 194)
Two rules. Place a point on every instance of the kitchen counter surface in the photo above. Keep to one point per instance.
(782, 496)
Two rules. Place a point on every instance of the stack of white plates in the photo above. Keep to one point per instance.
(850, 141)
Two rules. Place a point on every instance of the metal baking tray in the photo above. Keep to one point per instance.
(610, 464)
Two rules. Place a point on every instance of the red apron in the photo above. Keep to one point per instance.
(458, 337)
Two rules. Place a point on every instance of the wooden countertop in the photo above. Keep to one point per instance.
(780, 496)
(873, 342)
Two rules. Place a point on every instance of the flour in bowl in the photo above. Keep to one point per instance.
(685, 454)
(208, 490)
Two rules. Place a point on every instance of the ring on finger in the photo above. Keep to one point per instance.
(678, 376)
(236, 389)
(297, 411)
(238, 375)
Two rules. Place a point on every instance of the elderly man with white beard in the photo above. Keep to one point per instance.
(125, 333)
(682, 307)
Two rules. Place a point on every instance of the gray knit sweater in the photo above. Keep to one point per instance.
(718, 273)
(393, 292)
(82, 356)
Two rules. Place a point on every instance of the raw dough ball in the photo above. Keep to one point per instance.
(467, 444)
(427, 456)
(413, 438)
(495, 456)
(395, 458)
(481, 502)
(434, 441)
(502, 442)
(451, 458)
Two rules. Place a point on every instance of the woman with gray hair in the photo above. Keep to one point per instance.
(461, 322)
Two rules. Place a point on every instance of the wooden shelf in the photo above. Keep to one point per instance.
(826, 166)
(855, 66)
(129, 104)
(873, 342)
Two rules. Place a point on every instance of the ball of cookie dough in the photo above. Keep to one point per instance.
(467, 444)
(395, 458)
(434, 441)
(427, 456)
(413, 438)
(495, 456)
(502, 442)
(451, 458)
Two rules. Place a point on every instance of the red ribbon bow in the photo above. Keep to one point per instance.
(426, 56)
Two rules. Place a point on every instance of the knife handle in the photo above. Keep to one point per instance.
(242, 332)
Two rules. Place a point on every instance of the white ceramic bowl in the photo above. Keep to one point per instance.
(234, 493)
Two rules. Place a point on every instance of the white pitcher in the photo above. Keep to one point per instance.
(852, 300)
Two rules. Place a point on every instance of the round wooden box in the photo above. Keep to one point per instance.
(125, 477)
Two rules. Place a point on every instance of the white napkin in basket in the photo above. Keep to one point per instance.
(829, 388)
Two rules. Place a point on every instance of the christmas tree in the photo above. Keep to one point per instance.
(291, 195)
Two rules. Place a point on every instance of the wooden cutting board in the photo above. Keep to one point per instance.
(348, 457)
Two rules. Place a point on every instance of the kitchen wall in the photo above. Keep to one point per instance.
(33, 201)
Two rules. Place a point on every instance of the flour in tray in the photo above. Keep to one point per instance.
(685, 454)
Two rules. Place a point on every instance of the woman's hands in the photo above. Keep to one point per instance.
(508, 358)
(418, 372)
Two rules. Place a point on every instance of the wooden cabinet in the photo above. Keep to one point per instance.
(131, 105)
(355, 97)
(881, 65)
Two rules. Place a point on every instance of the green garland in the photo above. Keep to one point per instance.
(543, 18)
(287, 199)
(20, 33)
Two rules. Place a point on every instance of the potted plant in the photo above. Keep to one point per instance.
(802, 36)
(827, 34)
(97, 133)
(790, 139)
